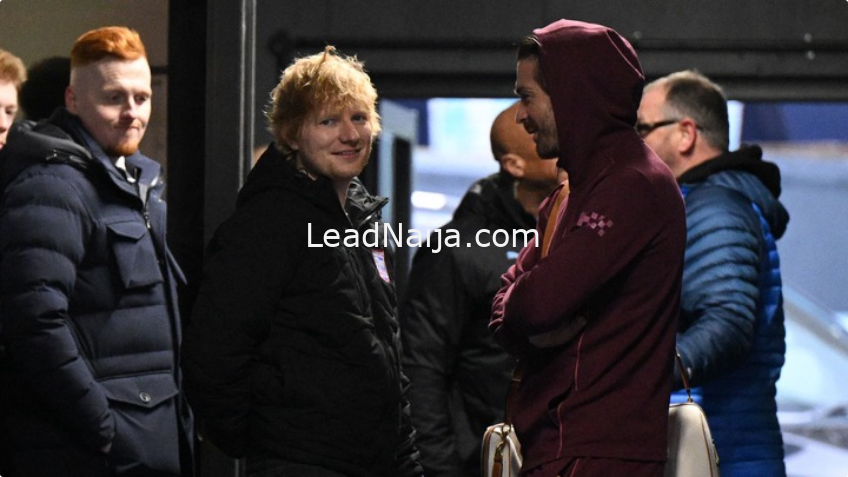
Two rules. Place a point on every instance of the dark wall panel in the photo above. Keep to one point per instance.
(446, 48)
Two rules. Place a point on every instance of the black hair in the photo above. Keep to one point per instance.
(531, 48)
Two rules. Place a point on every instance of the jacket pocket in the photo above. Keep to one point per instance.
(135, 256)
(146, 391)
(146, 428)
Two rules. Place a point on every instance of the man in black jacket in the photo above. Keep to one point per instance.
(88, 286)
(459, 374)
(292, 356)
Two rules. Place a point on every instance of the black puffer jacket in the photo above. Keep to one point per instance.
(293, 349)
(459, 374)
(89, 319)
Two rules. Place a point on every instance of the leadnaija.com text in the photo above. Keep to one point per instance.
(435, 239)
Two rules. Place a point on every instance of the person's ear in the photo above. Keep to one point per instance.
(291, 140)
(71, 100)
(688, 136)
(513, 164)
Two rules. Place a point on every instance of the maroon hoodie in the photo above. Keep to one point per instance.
(615, 260)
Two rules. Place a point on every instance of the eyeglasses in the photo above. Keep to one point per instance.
(643, 129)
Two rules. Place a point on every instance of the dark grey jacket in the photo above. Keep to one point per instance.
(459, 374)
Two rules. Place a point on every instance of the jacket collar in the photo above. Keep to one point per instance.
(273, 170)
(747, 158)
(148, 169)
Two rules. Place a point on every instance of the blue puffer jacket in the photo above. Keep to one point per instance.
(731, 334)
(89, 318)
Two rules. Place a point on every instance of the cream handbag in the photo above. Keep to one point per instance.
(691, 450)
(501, 452)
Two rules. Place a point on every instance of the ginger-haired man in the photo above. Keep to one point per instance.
(90, 320)
(292, 356)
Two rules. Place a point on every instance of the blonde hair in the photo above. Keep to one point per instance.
(12, 69)
(312, 82)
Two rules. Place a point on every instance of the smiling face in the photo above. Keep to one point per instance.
(8, 108)
(112, 99)
(535, 112)
(334, 142)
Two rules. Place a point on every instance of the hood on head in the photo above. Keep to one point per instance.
(595, 82)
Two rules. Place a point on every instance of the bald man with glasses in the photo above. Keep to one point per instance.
(731, 329)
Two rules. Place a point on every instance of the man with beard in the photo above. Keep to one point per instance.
(591, 314)
(88, 286)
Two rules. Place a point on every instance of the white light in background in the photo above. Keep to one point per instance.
(842, 317)
(459, 136)
(735, 113)
(428, 200)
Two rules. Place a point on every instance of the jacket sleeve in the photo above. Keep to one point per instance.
(514, 343)
(720, 283)
(242, 283)
(433, 315)
(45, 227)
(593, 245)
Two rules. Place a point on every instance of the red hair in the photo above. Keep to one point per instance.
(120, 43)
(12, 69)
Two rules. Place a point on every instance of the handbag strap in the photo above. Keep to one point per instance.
(547, 236)
(515, 383)
(683, 375)
(553, 220)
